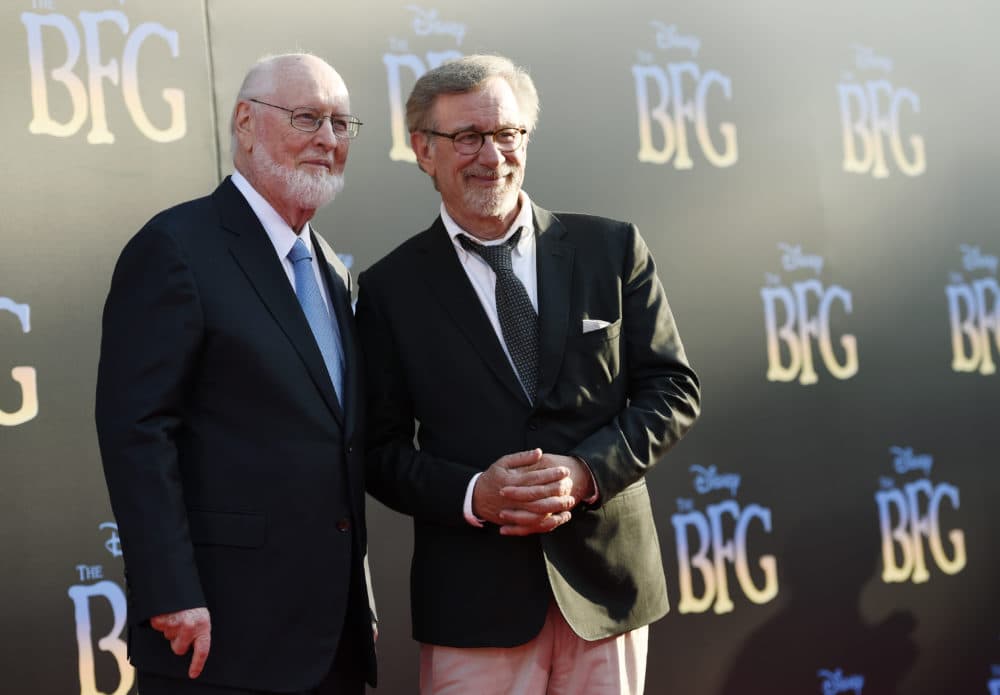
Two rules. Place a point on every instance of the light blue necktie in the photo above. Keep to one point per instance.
(323, 326)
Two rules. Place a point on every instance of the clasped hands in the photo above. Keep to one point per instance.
(531, 492)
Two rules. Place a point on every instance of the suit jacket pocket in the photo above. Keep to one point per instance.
(609, 332)
(591, 363)
(237, 529)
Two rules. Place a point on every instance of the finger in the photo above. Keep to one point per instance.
(180, 644)
(159, 622)
(520, 458)
(529, 493)
(513, 530)
(553, 504)
(537, 523)
(554, 481)
(521, 517)
(202, 644)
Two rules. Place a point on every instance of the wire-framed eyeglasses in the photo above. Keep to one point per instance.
(307, 120)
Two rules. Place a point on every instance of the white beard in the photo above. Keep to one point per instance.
(305, 189)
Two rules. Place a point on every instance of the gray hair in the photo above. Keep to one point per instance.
(465, 75)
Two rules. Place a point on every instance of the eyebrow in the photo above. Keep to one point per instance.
(463, 128)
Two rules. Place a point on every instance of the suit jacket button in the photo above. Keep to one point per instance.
(533, 425)
(350, 449)
(344, 525)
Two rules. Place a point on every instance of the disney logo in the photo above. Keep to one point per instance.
(708, 479)
(974, 259)
(905, 460)
(835, 682)
(866, 59)
(667, 37)
(426, 22)
(792, 258)
(21, 311)
(113, 544)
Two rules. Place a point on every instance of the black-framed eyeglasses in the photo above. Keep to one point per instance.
(471, 141)
(307, 120)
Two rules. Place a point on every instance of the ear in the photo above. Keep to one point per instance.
(243, 124)
(422, 147)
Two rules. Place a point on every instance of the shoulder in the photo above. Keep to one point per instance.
(174, 235)
(579, 220)
(589, 232)
(406, 257)
(180, 223)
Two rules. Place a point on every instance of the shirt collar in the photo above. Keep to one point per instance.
(525, 219)
(280, 233)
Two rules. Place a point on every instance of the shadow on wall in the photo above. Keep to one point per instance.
(820, 643)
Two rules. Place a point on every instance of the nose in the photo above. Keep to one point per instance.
(325, 135)
(490, 154)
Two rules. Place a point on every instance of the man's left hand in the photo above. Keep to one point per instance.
(530, 506)
(184, 629)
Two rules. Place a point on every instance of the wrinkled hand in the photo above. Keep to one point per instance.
(578, 485)
(184, 629)
(524, 493)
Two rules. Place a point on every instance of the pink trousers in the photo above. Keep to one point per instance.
(555, 662)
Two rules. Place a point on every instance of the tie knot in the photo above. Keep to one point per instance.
(496, 256)
(299, 252)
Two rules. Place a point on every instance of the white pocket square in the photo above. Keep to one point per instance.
(594, 325)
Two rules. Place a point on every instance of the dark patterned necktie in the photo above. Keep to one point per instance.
(518, 320)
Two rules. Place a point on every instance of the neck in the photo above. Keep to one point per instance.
(297, 218)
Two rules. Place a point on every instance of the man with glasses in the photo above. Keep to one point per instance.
(535, 358)
(229, 413)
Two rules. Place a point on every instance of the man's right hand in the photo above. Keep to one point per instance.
(550, 498)
(192, 626)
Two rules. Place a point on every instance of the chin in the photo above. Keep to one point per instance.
(492, 203)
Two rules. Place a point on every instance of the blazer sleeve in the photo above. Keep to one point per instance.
(398, 474)
(663, 392)
(152, 329)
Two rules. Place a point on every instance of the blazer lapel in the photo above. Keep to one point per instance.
(451, 287)
(254, 253)
(338, 283)
(554, 264)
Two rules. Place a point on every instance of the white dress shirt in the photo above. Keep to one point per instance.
(283, 237)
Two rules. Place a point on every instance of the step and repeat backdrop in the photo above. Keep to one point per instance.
(818, 183)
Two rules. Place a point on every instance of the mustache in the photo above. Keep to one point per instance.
(483, 172)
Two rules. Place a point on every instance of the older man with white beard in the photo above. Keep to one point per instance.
(229, 413)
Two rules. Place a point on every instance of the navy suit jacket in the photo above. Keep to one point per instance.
(235, 475)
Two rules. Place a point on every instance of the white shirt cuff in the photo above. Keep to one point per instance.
(467, 505)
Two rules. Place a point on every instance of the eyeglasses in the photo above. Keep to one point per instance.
(471, 141)
(307, 120)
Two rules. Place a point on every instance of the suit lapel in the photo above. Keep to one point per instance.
(254, 253)
(451, 286)
(338, 283)
(554, 265)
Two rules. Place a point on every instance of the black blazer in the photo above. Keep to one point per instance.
(234, 474)
(617, 397)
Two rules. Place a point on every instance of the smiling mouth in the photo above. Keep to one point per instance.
(490, 178)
